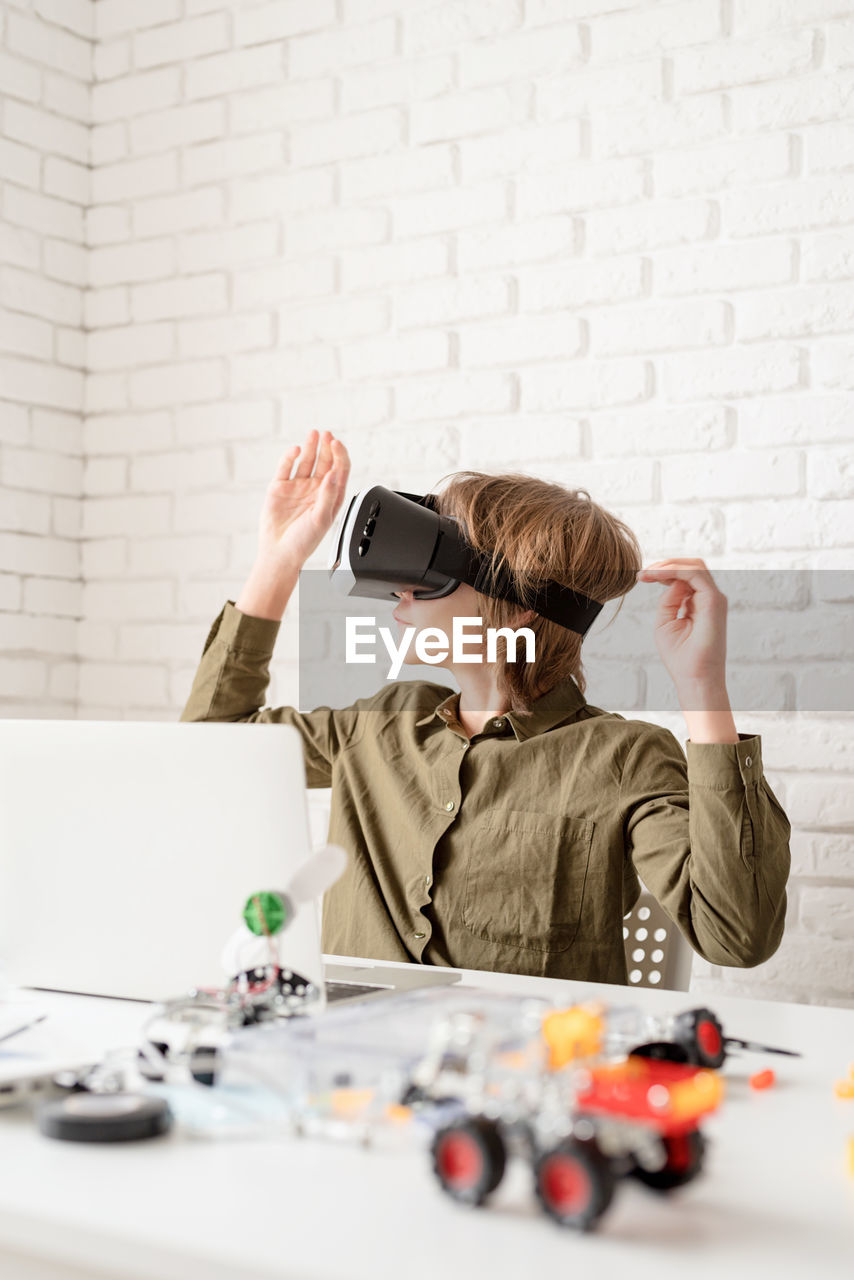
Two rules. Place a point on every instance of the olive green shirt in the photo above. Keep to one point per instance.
(519, 850)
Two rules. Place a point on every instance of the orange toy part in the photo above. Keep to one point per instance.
(350, 1102)
(844, 1088)
(397, 1113)
(762, 1079)
(573, 1033)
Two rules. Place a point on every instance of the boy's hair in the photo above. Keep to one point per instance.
(540, 530)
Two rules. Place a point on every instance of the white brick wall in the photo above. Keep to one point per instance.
(45, 80)
(609, 241)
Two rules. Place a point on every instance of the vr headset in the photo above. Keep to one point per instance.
(387, 540)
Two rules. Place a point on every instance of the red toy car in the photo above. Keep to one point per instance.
(580, 1120)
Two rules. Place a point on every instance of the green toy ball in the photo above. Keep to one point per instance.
(266, 913)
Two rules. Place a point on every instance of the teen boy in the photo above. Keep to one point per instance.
(504, 827)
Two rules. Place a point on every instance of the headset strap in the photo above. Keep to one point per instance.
(560, 604)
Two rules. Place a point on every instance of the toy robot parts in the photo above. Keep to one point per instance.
(576, 1177)
(588, 1120)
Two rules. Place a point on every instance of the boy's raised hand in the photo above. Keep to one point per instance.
(301, 504)
(692, 646)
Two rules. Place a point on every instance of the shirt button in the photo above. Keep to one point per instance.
(449, 805)
(427, 881)
(747, 761)
(419, 935)
(498, 724)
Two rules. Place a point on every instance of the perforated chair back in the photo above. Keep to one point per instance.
(656, 953)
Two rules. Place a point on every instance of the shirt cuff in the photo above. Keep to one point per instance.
(238, 630)
(725, 764)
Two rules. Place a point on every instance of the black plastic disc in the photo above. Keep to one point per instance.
(662, 1050)
(105, 1117)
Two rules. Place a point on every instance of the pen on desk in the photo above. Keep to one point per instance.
(25, 1027)
(759, 1048)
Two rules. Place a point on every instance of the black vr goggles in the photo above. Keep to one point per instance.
(388, 540)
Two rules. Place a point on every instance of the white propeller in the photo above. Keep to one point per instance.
(317, 874)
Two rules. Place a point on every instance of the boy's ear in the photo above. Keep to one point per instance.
(526, 618)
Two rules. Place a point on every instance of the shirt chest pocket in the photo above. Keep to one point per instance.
(525, 878)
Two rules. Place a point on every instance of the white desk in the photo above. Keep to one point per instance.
(775, 1200)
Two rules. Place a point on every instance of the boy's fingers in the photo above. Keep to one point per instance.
(341, 464)
(286, 462)
(700, 579)
(324, 456)
(309, 451)
(326, 498)
(676, 562)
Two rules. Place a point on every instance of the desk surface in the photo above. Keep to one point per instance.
(775, 1200)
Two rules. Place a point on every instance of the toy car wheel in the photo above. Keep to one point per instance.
(574, 1183)
(701, 1034)
(144, 1065)
(469, 1159)
(685, 1153)
(203, 1065)
(661, 1051)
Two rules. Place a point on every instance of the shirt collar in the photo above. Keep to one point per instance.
(441, 710)
(561, 702)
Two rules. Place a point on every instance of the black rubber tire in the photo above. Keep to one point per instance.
(207, 1074)
(661, 1051)
(700, 1033)
(477, 1144)
(574, 1183)
(684, 1161)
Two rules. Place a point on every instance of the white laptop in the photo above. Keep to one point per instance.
(128, 850)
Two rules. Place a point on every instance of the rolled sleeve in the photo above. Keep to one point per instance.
(710, 840)
(234, 670)
(231, 684)
(240, 631)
